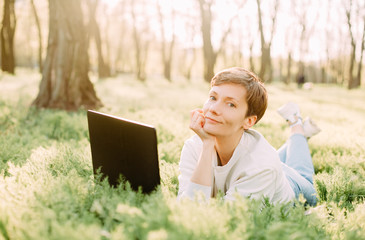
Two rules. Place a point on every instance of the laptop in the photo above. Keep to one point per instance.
(124, 147)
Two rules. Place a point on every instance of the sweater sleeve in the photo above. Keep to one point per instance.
(188, 162)
(259, 183)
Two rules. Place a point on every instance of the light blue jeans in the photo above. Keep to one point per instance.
(298, 167)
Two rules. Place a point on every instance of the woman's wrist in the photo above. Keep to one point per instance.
(208, 143)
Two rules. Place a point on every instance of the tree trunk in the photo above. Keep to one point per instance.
(306, 30)
(166, 47)
(263, 43)
(266, 65)
(352, 82)
(187, 62)
(7, 37)
(323, 74)
(107, 59)
(103, 68)
(65, 82)
(121, 59)
(209, 68)
(141, 48)
(208, 51)
(167, 70)
(36, 18)
(288, 73)
(210, 56)
(252, 63)
(281, 66)
(359, 68)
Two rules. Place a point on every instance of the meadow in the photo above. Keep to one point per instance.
(47, 189)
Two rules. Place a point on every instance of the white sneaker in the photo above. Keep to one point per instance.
(290, 112)
(310, 128)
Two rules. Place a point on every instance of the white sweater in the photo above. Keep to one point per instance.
(254, 171)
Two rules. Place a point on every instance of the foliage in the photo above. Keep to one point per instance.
(49, 192)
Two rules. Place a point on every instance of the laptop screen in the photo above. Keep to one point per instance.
(124, 147)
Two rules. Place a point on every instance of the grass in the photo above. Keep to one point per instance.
(48, 190)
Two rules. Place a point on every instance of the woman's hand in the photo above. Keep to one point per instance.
(197, 121)
(203, 172)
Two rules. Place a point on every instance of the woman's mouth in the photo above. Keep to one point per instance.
(211, 120)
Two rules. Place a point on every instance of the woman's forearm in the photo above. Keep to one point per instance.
(203, 172)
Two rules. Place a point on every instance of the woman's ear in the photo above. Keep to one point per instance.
(249, 121)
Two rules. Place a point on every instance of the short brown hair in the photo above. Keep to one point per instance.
(256, 96)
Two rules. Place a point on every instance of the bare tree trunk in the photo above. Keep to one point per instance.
(288, 74)
(210, 56)
(65, 82)
(327, 74)
(281, 67)
(352, 82)
(120, 59)
(325, 66)
(338, 65)
(323, 74)
(189, 52)
(359, 69)
(252, 63)
(301, 9)
(263, 43)
(107, 59)
(189, 56)
(103, 68)
(166, 47)
(266, 64)
(7, 37)
(40, 46)
(141, 48)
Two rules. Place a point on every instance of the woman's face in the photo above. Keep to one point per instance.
(225, 110)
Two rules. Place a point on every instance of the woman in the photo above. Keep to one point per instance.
(227, 156)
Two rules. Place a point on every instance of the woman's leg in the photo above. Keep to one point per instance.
(295, 153)
(298, 165)
(300, 185)
(298, 156)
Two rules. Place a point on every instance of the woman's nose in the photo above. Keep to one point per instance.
(215, 108)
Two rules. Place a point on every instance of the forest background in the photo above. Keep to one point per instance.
(151, 61)
(278, 40)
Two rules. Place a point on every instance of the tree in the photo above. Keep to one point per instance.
(351, 83)
(188, 58)
(266, 45)
(210, 55)
(166, 46)
(122, 58)
(250, 36)
(354, 81)
(325, 63)
(65, 82)
(103, 67)
(140, 30)
(289, 39)
(7, 37)
(359, 68)
(290, 36)
(306, 26)
(40, 47)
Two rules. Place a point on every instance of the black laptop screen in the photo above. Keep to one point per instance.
(123, 147)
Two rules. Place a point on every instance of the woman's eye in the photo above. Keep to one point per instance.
(231, 105)
(212, 98)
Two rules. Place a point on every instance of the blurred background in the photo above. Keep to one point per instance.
(294, 41)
